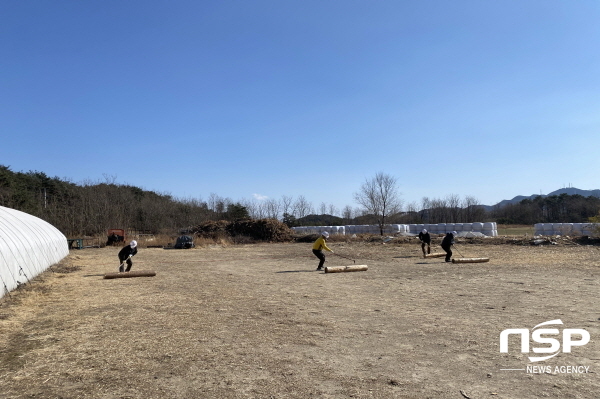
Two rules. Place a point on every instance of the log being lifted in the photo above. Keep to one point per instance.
(438, 255)
(141, 273)
(470, 260)
(340, 269)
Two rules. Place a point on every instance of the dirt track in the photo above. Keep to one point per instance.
(257, 321)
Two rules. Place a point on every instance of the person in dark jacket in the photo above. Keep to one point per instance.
(125, 254)
(447, 243)
(425, 239)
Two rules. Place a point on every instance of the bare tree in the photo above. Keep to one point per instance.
(323, 208)
(302, 207)
(347, 213)
(453, 201)
(412, 213)
(256, 209)
(451, 209)
(286, 204)
(261, 209)
(333, 211)
(251, 207)
(272, 208)
(472, 209)
(380, 197)
(218, 204)
(425, 210)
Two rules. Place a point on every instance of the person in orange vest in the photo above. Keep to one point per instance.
(318, 248)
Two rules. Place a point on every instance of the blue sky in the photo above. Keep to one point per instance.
(490, 99)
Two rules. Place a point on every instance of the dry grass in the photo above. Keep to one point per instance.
(515, 230)
(256, 321)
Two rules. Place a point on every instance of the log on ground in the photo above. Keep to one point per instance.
(437, 255)
(470, 260)
(341, 269)
(141, 273)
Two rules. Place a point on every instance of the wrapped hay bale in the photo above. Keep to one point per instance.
(538, 229)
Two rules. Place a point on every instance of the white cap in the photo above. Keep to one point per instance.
(325, 234)
(454, 233)
(424, 231)
(133, 244)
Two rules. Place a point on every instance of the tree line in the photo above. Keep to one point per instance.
(561, 208)
(91, 208)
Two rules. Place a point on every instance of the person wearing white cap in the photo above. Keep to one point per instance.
(125, 254)
(318, 248)
(425, 239)
(447, 243)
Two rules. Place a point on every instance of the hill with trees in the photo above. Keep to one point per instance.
(91, 208)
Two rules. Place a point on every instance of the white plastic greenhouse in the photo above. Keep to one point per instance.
(28, 246)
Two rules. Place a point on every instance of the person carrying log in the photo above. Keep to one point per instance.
(425, 239)
(125, 255)
(447, 244)
(318, 248)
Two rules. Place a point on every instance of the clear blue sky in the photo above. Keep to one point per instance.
(490, 99)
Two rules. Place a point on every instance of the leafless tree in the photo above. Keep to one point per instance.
(472, 209)
(412, 213)
(323, 208)
(454, 211)
(380, 197)
(347, 214)
(286, 204)
(333, 210)
(451, 209)
(272, 208)
(302, 207)
(256, 209)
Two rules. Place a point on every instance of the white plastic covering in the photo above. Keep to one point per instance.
(484, 229)
(28, 246)
(576, 229)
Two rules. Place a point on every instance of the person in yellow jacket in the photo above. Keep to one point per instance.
(318, 248)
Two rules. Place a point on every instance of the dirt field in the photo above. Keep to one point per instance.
(257, 321)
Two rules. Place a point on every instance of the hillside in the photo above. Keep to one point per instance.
(567, 190)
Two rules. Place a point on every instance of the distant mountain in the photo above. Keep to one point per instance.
(568, 191)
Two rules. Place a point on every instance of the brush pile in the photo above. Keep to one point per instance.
(270, 230)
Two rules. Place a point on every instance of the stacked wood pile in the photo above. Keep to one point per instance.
(271, 230)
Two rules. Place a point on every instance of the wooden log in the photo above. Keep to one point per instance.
(140, 273)
(438, 255)
(340, 269)
(470, 260)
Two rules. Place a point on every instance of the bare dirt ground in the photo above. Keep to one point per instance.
(257, 321)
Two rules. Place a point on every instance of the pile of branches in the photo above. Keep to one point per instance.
(271, 230)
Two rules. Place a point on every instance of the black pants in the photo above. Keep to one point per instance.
(129, 264)
(423, 247)
(448, 252)
(319, 254)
